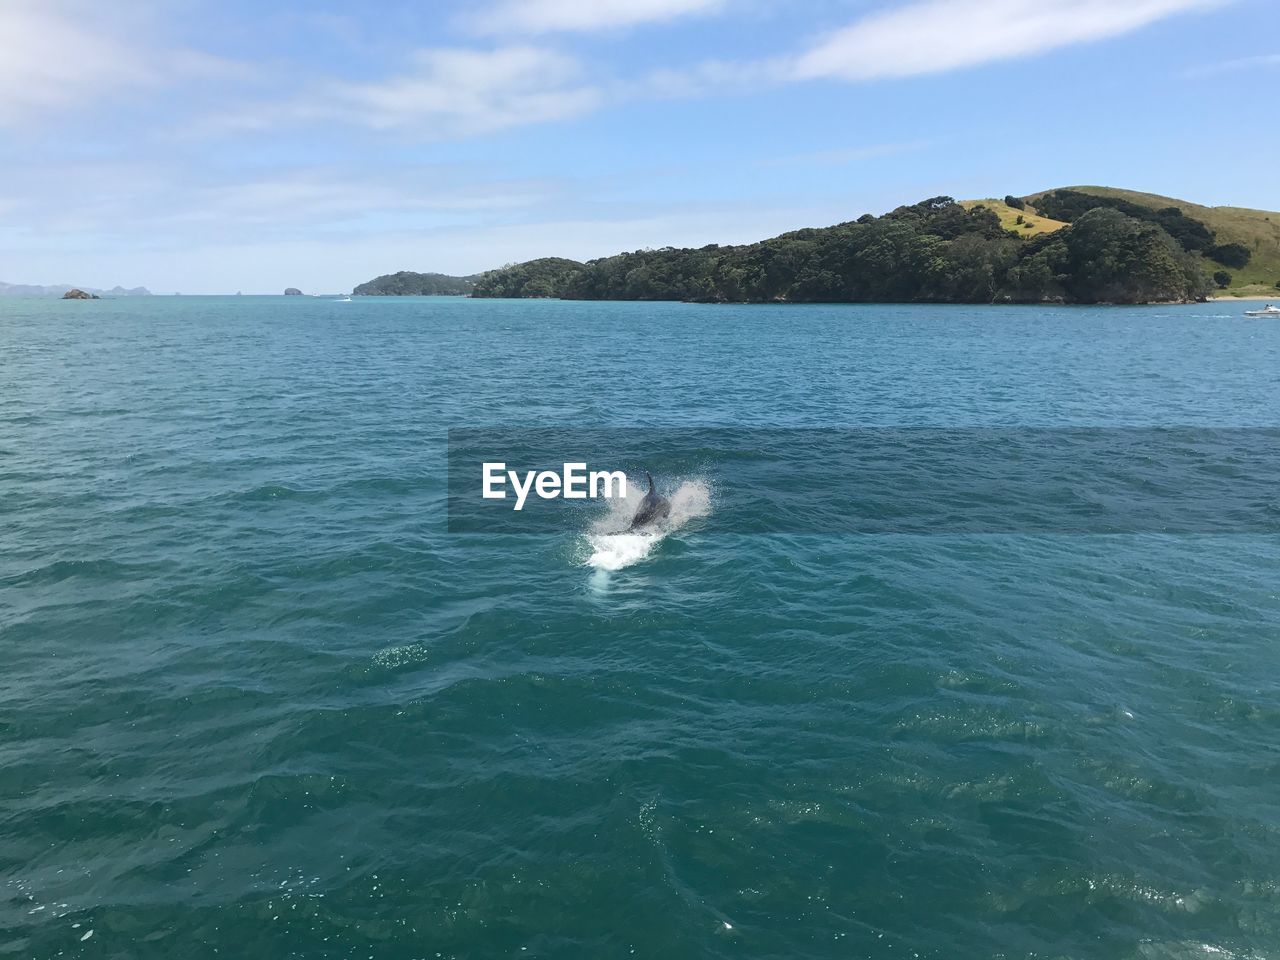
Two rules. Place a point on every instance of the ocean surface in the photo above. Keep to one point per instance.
(257, 701)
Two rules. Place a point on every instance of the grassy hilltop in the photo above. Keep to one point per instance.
(1025, 222)
(1257, 230)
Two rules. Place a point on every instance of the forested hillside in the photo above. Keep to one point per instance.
(1069, 245)
(932, 251)
(546, 277)
(1247, 241)
(409, 284)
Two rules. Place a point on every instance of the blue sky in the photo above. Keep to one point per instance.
(201, 146)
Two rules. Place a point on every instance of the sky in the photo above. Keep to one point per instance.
(215, 146)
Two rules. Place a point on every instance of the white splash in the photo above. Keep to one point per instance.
(614, 551)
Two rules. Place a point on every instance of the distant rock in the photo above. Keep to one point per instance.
(74, 294)
(292, 292)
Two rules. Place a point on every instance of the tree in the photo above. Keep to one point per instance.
(1070, 205)
(1119, 259)
(547, 277)
(1016, 202)
(971, 269)
(1235, 255)
(1222, 279)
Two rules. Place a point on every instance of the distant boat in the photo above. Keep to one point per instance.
(1270, 310)
(343, 300)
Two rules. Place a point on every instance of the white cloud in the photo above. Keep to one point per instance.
(941, 35)
(1230, 66)
(715, 76)
(165, 205)
(934, 36)
(463, 92)
(446, 94)
(299, 200)
(580, 16)
(63, 56)
(57, 53)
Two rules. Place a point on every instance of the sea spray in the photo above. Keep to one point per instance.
(614, 550)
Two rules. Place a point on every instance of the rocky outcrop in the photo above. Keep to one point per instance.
(76, 294)
(292, 292)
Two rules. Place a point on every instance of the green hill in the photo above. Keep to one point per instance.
(1257, 230)
(934, 251)
(1066, 245)
(406, 283)
(533, 279)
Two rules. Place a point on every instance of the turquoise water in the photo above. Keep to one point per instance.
(258, 702)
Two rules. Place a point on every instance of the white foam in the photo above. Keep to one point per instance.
(615, 551)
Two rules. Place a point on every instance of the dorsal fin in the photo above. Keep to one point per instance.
(650, 476)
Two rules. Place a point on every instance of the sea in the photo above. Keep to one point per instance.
(260, 698)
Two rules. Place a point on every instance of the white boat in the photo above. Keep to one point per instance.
(343, 300)
(1270, 310)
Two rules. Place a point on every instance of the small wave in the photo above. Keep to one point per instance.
(616, 551)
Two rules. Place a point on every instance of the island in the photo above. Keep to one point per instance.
(62, 289)
(77, 294)
(1067, 245)
(292, 292)
(406, 283)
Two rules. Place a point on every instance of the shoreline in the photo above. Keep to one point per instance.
(1266, 297)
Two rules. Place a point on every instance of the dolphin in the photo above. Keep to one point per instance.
(652, 508)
